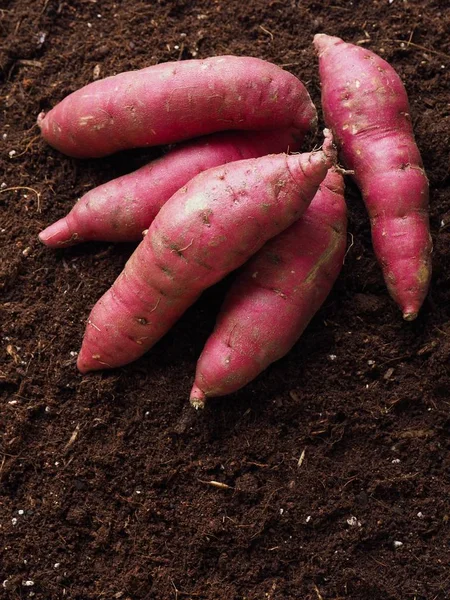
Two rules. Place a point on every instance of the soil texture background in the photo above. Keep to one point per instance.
(105, 479)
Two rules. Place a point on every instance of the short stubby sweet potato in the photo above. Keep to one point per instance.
(366, 106)
(175, 101)
(207, 229)
(121, 209)
(275, 296)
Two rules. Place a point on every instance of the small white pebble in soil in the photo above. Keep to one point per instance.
(395, 461)
(3, 185)
(27, 583)
(281, 511)
(89, 25)
(176, 47)
(11, 153)
(308, 519)
(14, 521)
(56, 463)
(442, 66)
(370, 362)
(20, 512)
(13, 402)
(398, 544)
(56, 565)
(27, 251)
(138, 492)
(47, 409)
(4, 136)
(332, 357)
(99, 16)
(5, 583)
(73, 353)
(420, 515)
(442, 223)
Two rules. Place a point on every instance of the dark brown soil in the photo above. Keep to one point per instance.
(104, 478)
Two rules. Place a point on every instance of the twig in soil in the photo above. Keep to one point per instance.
(217, 484)
(27, 147)
(29, 63)
(181, 593)
(267, 31)
(396, 358)
(21, 187)
(73, 437)
(340, 8)
(1, 467)
(301, 459)
(350, 247)
(419, 47)
(319, 595)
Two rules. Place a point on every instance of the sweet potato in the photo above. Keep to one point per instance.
(175, 101)
(207, 229)
(366, 106)
(275, 296)
(120, 210)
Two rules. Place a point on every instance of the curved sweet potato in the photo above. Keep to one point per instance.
(366, 106)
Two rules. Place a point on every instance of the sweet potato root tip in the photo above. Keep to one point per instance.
(40, 118)
(322, 41)
(409, 316)
(197, 398)
(57, 234)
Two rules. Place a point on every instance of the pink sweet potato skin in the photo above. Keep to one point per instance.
(366, 106)
(175, 101)
(120, 210)
(207, 229)
(275, 296)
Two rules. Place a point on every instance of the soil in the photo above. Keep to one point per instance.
(105, 479)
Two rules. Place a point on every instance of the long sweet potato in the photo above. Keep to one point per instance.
(118, 211)
(207, 229)
(366, 106)
(275, 296)
(175, 101)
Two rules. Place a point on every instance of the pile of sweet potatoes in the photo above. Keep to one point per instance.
(236, 193)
